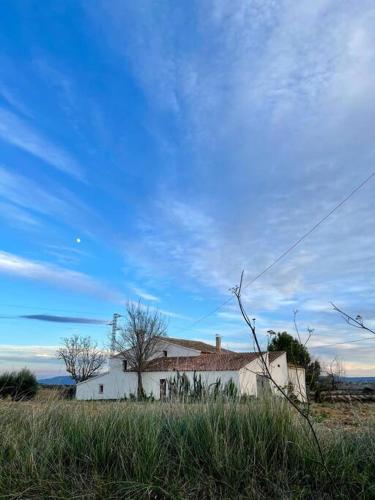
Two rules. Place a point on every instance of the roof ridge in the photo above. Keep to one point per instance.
(222, 361)
(197, 345)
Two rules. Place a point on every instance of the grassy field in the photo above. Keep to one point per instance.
(69, 449)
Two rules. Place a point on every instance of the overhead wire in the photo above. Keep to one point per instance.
(286, 252)
(342, 343)
(247, 284)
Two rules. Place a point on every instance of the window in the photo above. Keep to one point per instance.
(124, 365)
(165, 353)
(101, 388)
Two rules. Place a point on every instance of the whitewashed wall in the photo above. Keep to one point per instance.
(248, 377)
(116, 385)
(173, 350)
(115, 364)
(297, 378)
(151, 380)
(279, 371)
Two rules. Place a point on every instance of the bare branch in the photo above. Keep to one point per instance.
(81, 356)
(310, 332)
(237, 292)
(295, 312)
(357, 322)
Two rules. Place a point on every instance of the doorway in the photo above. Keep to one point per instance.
(163, 389)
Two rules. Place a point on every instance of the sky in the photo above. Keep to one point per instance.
(154, 150)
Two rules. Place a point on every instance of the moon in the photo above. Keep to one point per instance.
(78, 240)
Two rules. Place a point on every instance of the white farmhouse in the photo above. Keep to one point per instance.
(194, 359)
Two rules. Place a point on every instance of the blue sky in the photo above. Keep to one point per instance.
(182, 143)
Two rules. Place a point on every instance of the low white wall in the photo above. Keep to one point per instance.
(297, 378)
(151, 380)
(278, 369)
(116, 385)
(248, 377)
(247, 382)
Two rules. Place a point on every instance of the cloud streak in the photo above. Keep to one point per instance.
(19, 133)
(145, 295)
(64, 319)
(28, 205)
(57, 276)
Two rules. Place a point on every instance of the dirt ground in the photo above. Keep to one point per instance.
(344, 415)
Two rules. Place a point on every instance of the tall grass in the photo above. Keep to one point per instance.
(258, 449)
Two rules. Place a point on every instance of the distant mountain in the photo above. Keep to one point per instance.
(62, 380)
(359, 379)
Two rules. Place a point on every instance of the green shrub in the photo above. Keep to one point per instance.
(6, 384)
(19, 386)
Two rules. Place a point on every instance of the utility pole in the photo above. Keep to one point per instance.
(113, 323)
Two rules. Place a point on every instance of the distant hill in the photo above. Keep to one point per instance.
(359, 379)
(62, 380)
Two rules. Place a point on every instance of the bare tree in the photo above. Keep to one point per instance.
(137, 340)
(335, 371)
(81, 356)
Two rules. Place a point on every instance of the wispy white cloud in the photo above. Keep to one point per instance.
(20, 133)
(18, 216)
(26, 203)
(145, 295)
(57, 276)
(40, 359)
(277, 100)
(175, 315)
(9, 96)
(21, 353)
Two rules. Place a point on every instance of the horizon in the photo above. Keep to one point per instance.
(153, 151)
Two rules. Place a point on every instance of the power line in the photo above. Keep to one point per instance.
(276, 261)
(342, 343)
(304, 236)
(287, 251)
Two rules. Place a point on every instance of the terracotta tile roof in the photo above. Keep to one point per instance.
(274, 355)
(193, 344)
(204, 362)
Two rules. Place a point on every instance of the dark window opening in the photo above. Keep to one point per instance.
(163, 389)
(165, 353)
(101, 388)
(124, 365)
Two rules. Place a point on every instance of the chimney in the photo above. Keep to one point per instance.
(218, 343)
